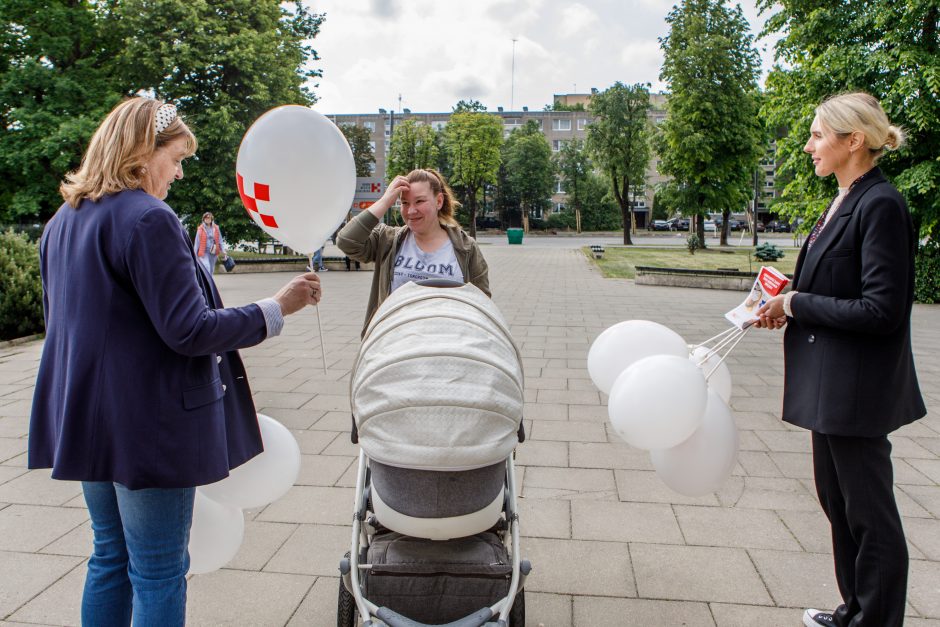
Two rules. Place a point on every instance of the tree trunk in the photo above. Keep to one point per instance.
(725, 227)
(472, 206)
(626, 210)
(577, 219)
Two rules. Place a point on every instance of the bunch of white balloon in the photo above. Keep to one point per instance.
(218, 522)
(670, 398)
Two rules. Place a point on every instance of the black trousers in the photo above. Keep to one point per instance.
(855, 484)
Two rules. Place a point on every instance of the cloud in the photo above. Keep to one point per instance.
(576, 18)
(385, 8)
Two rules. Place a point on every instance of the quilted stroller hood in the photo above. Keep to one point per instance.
(438, 381)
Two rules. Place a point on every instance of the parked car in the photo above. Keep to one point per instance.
(679, 224)
(710, 226)
(759, 227)
(661, 225)
(778, 226)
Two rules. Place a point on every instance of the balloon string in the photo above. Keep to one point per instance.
(319, 326)
(320, 330)
(740, 336)
(711, 352)
(724, 333)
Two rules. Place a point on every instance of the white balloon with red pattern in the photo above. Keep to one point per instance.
(296, 176)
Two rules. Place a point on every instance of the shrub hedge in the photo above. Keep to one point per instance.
(20, 287)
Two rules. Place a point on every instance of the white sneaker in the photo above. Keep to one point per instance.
(815, 618)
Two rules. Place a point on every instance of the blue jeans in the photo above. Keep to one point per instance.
(141, 555)
(318, 259)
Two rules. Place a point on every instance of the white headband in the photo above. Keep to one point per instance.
(165, 115)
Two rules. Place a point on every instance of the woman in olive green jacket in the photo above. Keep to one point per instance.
(430, 245)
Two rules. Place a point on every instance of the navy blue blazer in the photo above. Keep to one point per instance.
(849, 369)
(140, 382)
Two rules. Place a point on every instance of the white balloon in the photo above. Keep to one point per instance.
(216, 534)
(658, 402)
(264, 478)
(703, 462)
(720, 379)
(627, 342)
(296, 176)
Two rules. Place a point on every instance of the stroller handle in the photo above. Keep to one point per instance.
(394, 619)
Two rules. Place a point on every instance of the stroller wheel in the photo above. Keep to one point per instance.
(346, 614)
(516, 613)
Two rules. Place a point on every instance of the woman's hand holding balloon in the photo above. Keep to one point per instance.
(301, 291)
(771, 315)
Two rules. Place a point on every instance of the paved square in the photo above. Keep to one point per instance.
(609, 542)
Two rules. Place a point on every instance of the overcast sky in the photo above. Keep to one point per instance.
(436, 52)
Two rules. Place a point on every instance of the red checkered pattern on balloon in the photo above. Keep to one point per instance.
(260, 193)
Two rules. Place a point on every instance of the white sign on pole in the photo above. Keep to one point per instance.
(368, 190)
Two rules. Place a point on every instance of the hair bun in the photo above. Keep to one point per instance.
(894, 138)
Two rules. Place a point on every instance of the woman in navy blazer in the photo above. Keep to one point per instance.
(141, 394)
(849, 368)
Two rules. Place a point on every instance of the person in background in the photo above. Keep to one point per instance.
(318, 261)
(849, 369)
(431, 245)
(208, 245)
(141, 394)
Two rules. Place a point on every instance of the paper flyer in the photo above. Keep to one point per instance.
(769, 283)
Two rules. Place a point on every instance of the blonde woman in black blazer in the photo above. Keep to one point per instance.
(850, 375)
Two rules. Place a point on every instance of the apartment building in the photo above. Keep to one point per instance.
(559, 127)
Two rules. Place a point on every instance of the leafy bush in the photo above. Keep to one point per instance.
(767, 252)
(561, 221)
(20, 287)
(692, 242)
(927, 273)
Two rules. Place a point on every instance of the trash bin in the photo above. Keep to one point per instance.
(515, 235)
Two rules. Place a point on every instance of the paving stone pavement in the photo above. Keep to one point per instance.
(609, 542)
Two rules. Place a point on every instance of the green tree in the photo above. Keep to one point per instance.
(223, 64)
(618, 139)
(413, 146)
(529, 168)
(360, 142)
(889, 49)
(472, 140)
(469, 106)
(573, 164)
(55, 86)
(711, 140)
(599, 210)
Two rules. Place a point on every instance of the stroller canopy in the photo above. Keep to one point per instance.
(438, 382)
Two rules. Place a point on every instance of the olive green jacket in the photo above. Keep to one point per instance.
(365, 239)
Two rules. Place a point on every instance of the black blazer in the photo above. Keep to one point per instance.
(140, 381)
(847, 349)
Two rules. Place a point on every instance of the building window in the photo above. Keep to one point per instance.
(439, 124)
(559, 207)
(558, 144)
(369, 125)
(512, 121)
(559, 187)
(561, 125)
(582, 124)
(372, 146)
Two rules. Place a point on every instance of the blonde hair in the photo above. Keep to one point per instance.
(122, 144)
(859, 112)
(438, 186)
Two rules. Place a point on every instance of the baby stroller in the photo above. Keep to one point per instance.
(436, 393)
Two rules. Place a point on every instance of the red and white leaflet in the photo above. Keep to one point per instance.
(769, 283)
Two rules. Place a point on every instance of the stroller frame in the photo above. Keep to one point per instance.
(362, 531)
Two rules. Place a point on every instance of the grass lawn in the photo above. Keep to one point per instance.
(621, 262)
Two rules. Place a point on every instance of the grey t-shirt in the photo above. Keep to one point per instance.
(413, 264)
